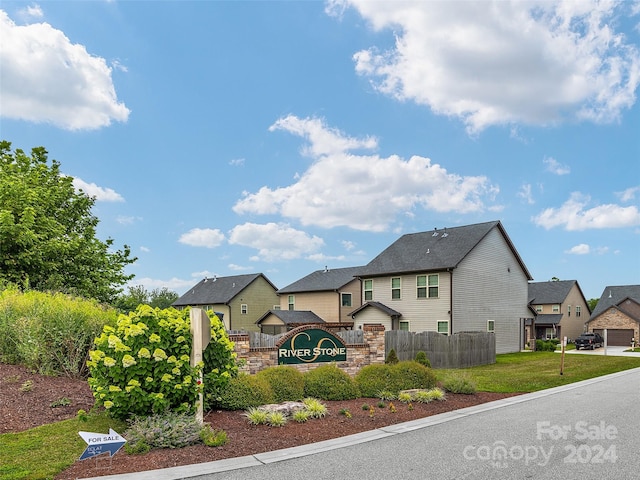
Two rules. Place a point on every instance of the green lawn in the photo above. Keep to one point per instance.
(43, 452)
(532, 371)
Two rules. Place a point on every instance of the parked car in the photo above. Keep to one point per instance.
(589, 340)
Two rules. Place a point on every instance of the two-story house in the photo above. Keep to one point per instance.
(332, 294)
(241, 299)
(617, 311)
(467, 278)
(561, 309)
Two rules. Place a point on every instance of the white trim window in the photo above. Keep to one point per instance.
(368, 290)
(538, 308)
(491, 326)
(396, 288)
(555, 308)
(421, 286)
(434, 286)
(244, 309)
(403, 325)
(578, 310)
(292, 302)
(443, 327)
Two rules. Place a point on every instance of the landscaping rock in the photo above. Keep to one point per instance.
(286, 408)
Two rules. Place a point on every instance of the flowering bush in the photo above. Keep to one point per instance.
(220, 363)
(142, 366)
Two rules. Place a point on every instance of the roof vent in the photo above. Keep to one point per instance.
(428, 250)
(215, 277)
(445, 234)
(435, 234)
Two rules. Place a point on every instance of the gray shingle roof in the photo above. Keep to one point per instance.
(548, 319)
(290, 317)
(380, 306)
(433, 250)
(322, 280)
(614, 295)
(544, 293)
(217, 290)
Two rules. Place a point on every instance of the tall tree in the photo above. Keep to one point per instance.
(48, 233)
(138, 295)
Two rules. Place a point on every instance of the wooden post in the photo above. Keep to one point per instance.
(201, 335)
(564, 344)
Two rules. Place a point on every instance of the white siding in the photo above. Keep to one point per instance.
(489, 284)
(373, 316)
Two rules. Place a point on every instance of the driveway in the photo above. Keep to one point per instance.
(585, 430)
(614, 351)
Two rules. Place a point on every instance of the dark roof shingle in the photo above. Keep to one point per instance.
(613, 295)
(290, 317)
(322, 280)
(217, 290)
(544, 293)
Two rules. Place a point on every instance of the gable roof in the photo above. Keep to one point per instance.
(379, 306)
(322, 280)
(218, 290)
(548, 319)
(614, 295)
(434, 250)
(544, 293)
(290, 317)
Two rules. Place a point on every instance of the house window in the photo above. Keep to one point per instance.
(434, 282)
(568, 310)
(404, 326)
(368, 290)
(443, 327)
(491, 326)
(272, 329)
(578, 312)
(555, 309)
(538, 308)
(395, 288)
(421, 286)
(276, 307)
(292, 302)
(346, 299)
(243, 309)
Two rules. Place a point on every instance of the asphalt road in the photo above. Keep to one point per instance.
(588, 430)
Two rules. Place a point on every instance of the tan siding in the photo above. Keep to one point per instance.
(372, 316)
(356, 300)
(571, 325)
(328, 304)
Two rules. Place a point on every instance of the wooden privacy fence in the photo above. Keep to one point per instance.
(459, 350)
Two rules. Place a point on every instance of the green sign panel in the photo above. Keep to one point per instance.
(312, 346)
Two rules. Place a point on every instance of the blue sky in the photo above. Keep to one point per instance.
(222, 138)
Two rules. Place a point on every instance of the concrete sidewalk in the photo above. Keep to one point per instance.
(386, 434)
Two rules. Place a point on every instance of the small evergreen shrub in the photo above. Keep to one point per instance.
(276, 419)
(220, 362)
(212, 437)
(372, 379)
(286, 382)
(256, 416)
(405, 397)
(409, 374)
(167, 430)
(421, 358)
(314, 407)
(245, 391)
(386, 395)
(328, 382)
(300, 416)
(392, 357)
(459, 383)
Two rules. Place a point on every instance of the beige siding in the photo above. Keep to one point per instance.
(356, 300)
(260, 297)
(571, 325)
(490, 285)
(372, 315)
(327, 304)
(423, 314)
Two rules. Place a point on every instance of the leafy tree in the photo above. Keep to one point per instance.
(592, 303)
(48, 233)
(138, 295)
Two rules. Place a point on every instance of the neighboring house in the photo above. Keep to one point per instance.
(275, 322)
(459, 279)
(242, 299)
(332, 294)
(561, 309)
(618, 310)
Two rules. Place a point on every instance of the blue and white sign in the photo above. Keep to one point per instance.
(99, 443)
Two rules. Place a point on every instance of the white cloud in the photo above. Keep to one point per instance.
(629, 194)
(237, 162)
(238, 268)
(503, 62)
(525, 193)
(31, 11)
(101, 194)
(275, 241)
(202, 237)
(321, 257)
(174, 284)
(582, 249)
(348, 245)
(144, 249)
(556, 167)
(46, 78)
(363, 192)
(573, 215)
(127, 220)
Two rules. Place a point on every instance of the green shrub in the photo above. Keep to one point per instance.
(314, 407)
(421, 358)
(409, 374)
(50, 333)
(546, 345)
(167, 430)
(459, 383)
(328, 382)
(142, 366)
(301, 416)
(220, 363)
(372, 379)
(256, 416)
(245, 391)
(276, 419)
(212, 437)
(286, 382)
(392, 357)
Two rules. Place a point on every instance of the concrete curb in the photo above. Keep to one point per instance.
(199, 469)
